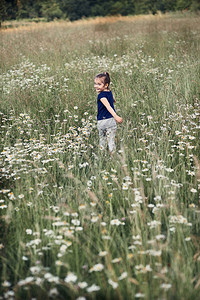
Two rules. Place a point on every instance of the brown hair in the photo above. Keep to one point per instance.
(106, 77)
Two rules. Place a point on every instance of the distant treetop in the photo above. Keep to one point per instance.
(77, 9)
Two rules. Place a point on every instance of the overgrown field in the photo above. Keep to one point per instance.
(77, 223)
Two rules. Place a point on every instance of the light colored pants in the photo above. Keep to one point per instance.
(107, 131)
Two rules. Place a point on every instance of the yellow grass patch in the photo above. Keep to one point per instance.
(27, 26)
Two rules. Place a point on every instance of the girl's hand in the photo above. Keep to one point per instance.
(118, 119)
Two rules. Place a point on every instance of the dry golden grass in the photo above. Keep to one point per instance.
(14, 26)
(23, 25)
(112, 25)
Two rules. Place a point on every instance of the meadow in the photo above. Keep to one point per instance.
(77, 223)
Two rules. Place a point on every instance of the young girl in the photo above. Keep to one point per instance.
(106, 116)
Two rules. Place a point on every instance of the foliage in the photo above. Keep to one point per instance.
(2, 11)
(76, 9)
(51, 10)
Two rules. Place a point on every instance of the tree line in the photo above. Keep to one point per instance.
(76, 9)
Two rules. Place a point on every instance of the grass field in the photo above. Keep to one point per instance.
(75, 222)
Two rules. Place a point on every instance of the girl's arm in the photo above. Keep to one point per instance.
(111, 110)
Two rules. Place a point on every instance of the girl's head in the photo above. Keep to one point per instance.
(102, 82)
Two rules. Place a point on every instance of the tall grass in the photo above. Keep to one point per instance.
(76, 222)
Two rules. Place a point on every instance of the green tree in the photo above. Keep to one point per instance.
(117, 8)
(51, 10)
(183, 4)
(100, 8)
(169, 5)
(11, 9)
(29, 8)
(2, 11)
(195, 6)
(122, 7)
(76, 9)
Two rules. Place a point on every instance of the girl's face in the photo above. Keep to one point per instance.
(99, 85)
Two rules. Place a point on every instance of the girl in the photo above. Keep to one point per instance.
(106, 116)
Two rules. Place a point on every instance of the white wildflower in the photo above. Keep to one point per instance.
(82, 285)
(71, 277)
(115, 222)
(113, 283)
(93, 288)
(123, 275)
(97, 268)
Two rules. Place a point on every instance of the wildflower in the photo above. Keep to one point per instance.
(82, 206)
(125, 186)
(35, 270)
(9, 295)
(11, 196)
(165, 286)
(157, 198)
(89, 183)
(193, 190)
(136, 237)
(93, 288)
(116, 260)
(103, 253)
(29, 231)
(153, 224)
(75, 222)
(4, 191)
(160, 237)
(82, 285)
(34, 243)
(94, 219)
(115, 222)
(26, 281)
(6, 283)
(97, 268)
(53, 292)
(178, 219)
(123, 275)
(103, 223)
(143, 269)
(78, 228)
(71, 277)
(164, 270)
(148, 179)
(172, 229)
(63, 248)
(3, 206)
(139, 295)
(154, 252)
(113, 283)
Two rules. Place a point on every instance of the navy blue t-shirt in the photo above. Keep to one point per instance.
(103, 113)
